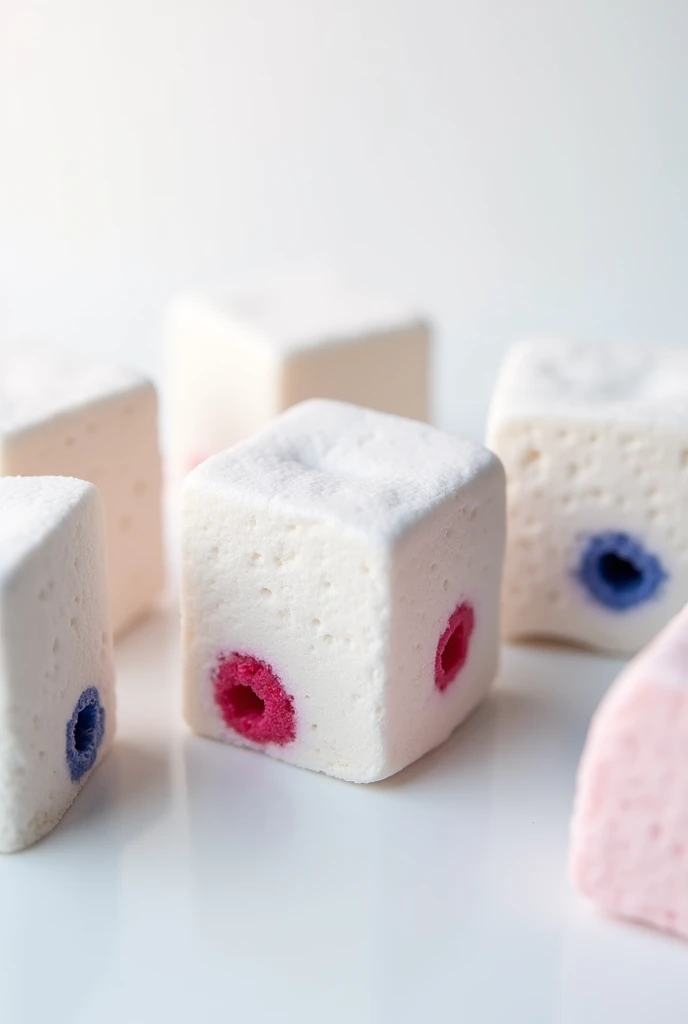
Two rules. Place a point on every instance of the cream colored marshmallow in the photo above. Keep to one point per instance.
(340, 594)
(236, 362)
(57, 711)
(97, 422)
(594, 439)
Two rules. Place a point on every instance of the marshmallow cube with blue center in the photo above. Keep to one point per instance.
(57, 713)
(594, 440)
(238, 359)
(340, 595)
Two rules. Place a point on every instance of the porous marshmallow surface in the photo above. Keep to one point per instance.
(333, 549)
(594, 440)
(237, 361)
(629, 834)
(55, 647)
(65, 417)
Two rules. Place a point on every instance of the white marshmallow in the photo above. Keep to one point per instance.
(57, 714)
(98, 423)
(236, 362)
(337, 547)
(594, 440)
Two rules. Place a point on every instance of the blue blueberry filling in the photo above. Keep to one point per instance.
(85, 730)
(619, 572)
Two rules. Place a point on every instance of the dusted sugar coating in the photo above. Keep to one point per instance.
(629, 835)
(594, 440)
(345, 558)
(253, 701)
(57, 713)
(236, 361)
(61, 417)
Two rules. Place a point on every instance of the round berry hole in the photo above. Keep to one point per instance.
(253, 701)
(619, 572)
(452, 650)
(244, 702)
(85, 731)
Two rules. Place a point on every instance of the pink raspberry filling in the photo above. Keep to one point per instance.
(253, 701)
(452, 650)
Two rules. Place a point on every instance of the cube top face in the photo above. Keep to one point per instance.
(30, 510)
(555, 379)
(38, 387)
(371, 474)
(301, 311)
(340, 593)
(56, 665)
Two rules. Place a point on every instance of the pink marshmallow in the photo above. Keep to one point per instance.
(629, 834)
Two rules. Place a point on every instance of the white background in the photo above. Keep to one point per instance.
(517, 167)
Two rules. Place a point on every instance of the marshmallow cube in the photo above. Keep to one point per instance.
(629, 835)
(57, 714)
(235, 363)
(594, 440)
(341, 575)
(98, 423)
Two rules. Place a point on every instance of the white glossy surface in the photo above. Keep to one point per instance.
(193, 879)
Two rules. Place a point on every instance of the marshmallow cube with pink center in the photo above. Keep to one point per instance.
(57, 699)
(97, 422)
(629, 836)
(341, 577)
(239, 359)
